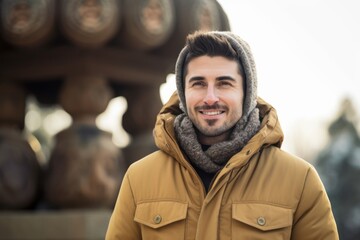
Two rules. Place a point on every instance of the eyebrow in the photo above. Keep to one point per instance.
(196, 78)
(221, 78)
(226, 78)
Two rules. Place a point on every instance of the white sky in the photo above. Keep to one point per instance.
(307, 54)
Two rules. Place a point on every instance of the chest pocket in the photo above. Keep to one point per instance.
(161, 219)
(261, 221)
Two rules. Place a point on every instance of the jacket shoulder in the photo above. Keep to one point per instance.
(288, 160)
(157, 161)
(155, 177)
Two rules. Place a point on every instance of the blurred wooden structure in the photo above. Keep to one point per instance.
(79, 54)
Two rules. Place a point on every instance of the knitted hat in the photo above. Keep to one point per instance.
(246, 60)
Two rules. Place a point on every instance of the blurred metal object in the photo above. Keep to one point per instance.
(193, 15)
(19, 172)
(27, 23)
(208, 16)
(12, 105)
(85, 96)
(147, 23)
(85, 169)
(90, 23)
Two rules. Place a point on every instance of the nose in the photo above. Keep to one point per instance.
(211, 96)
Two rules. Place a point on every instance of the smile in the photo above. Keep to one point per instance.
(211, 113)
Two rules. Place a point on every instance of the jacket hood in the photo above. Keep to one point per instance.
(245, 59)
(270, 132)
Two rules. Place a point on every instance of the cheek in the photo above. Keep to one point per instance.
(237, 103)
(191, 98)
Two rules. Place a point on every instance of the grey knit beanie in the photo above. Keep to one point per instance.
(246, 60)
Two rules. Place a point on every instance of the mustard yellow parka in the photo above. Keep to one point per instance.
(261, 193)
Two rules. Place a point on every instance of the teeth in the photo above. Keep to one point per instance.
(212, 113)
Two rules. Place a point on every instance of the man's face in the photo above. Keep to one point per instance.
(214, 96)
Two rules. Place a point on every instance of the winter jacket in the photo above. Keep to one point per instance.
(261, 193)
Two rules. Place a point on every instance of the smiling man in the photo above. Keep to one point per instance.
(214, 96)
(219, 172)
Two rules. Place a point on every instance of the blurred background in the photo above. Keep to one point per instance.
(81, 82)
(308, 59)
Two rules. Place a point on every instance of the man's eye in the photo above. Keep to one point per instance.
(224, 83)
(198, 84)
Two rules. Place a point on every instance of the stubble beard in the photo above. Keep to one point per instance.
(209, 130)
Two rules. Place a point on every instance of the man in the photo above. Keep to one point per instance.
(220, 173)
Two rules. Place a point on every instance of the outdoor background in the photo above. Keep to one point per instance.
(308, 60)
(307, 55)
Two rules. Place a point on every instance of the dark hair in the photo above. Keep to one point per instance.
(205, 44)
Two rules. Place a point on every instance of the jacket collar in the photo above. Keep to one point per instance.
(270, 132)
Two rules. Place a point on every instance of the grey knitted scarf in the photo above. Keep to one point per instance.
(216, 156)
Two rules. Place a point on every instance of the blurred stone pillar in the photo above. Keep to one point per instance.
(144, 104)
(85, 168)
(19, 168)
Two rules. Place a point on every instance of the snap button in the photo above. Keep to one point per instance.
(261, 221)
(157, 219)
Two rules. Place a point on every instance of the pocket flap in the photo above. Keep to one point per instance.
(262, 216)
(159, 214)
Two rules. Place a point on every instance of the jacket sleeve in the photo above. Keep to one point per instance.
(122, 224)
(313, 218)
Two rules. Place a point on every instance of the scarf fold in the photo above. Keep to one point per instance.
(217, 155)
